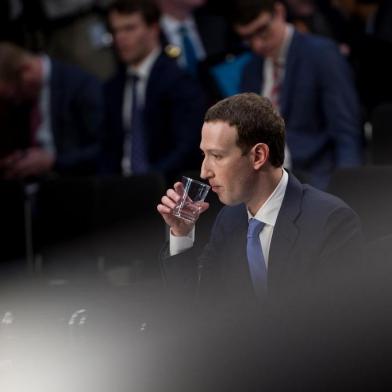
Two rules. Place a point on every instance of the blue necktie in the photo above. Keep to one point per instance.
(189, 50)
(139, 162)
(256, 261)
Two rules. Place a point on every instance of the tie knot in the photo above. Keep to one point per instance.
(183, 30)
(255, 227)
(134, 77)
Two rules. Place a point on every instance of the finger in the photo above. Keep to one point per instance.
(164, 210)
(173, 195)
(168, 202)
(179, 187)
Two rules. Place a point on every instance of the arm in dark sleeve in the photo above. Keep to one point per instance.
(87, 108)
(341, 264)
(195, 270)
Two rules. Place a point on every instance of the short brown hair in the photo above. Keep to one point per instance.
(147, 8)
(11, 60)
(256, 122)
(244, 12)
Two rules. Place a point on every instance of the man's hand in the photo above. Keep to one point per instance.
(30, 162)
(179, 227)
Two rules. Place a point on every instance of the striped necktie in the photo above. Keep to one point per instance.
(137, 141)
(189, 50)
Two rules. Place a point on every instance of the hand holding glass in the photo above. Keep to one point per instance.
(192, 197)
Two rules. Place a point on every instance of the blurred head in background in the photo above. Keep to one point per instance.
(21, 73)
(134, 25)
(261, 24)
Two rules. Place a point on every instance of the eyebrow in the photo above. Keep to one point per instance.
(213, 151)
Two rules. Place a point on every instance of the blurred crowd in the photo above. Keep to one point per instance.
(101, 108)
(76, 76)
(119, 88)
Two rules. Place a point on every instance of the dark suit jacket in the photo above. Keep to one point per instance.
(76, 106)
(320, 107)
(76, 115)
(173, 115)
(316, 238)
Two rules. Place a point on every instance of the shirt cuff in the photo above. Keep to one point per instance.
(180, 244)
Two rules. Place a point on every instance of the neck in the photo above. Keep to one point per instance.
(179, 13)
(137, 62)
(268, 181)
(276, 55)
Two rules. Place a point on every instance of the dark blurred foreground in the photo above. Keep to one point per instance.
(104, 333)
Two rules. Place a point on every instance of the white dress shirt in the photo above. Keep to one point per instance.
(268, 213)
(44, 136)
(143, 71)
(171, 26)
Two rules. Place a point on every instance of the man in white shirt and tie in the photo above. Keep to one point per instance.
(305, 237)
(309, 82)
(153, 108)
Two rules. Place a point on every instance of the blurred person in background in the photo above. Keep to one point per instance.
(311, 85)
(153, 108)
(51, 117)
(199, 38)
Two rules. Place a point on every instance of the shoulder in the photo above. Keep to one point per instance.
(308, 203)
(72, 77)
(313, 41)
(71, 70)
(315, 47)
(328, 210)
(321, 198)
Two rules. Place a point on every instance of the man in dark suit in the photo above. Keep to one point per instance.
(311, 85)
(52, 116)
(161, 132)
(306, 238)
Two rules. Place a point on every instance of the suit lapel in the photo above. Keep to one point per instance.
(290, 73)
(285, 231)
(153, 79)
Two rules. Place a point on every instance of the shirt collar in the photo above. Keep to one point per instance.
(46, 69)
(268, 212)
(288, 36)
(171, 25)
(144, 68)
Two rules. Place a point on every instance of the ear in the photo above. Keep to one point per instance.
(260, 155)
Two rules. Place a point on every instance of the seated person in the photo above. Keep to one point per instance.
(153, 108)
(52, 116)
(275, 237)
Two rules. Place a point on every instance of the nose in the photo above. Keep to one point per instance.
(205, 172)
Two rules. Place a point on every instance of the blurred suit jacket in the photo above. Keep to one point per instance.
(173, 115)
(319, 104)
(76, 106)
